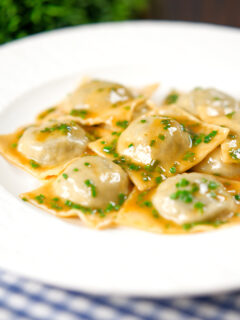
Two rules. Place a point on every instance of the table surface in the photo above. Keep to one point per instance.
(24, 299)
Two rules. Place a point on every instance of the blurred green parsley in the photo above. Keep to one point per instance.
(19, 18)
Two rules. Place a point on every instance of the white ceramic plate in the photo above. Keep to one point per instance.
(39, 71)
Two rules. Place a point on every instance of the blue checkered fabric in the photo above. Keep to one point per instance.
(23, 299)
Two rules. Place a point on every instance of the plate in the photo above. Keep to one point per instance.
(37, 72)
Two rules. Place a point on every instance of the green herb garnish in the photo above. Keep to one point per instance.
(235, 154)
(199, 206)
(210, 136)
(79, 113)
(40, 198)
(230, 115)
(89, 183)
(171, 98)
(161, 136)
(212, 185)
(182, 183)
(183, 195)
(237, 197)
(173, 170)
(87, 164)
(189, 156)
(123, 124)
(166, 123)
(152, 143)
(34, 164)
(158, 180)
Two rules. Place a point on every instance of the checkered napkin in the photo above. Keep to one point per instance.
(22, 299)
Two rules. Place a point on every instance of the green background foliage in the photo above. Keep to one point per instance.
(19, 18)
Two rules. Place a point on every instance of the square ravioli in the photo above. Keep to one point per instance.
(96, 102)
(159, 145)
(44, 149)
(139, 211)
(214, 107)
(91, 188)
(214, 164)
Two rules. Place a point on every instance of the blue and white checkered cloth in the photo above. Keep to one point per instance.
(22, 299)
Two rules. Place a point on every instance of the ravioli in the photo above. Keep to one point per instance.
(213, 164)
(213, 102)
(43, 149)
(96, 102)
(111, 157)
(216, 107)
(188, 202)
(160, 145)
(91, 188)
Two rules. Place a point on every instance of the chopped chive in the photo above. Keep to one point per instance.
(147, 204)
(199, 206)
(213, 194)
(133, 167)
(79, 113)
(172, 170)
(166, 123)
(40, 198)
(194, 188)
(24, 199)
(75, 169)
(34, 164)
(161, 136)
(143, 121)
(155, 213)
(212, 185)
(189, 156)
(115, 133)
(152, 143)
(182, 183)
(55, 206)
(130, 145)
(14, 145)
(158, 180)
(65, 176)
(187, 226)
(235, 154)
(123, 124)
(171, 98)
(107, 149)
(89, 183)
(237, 197)
(183, 195)
(230, 115)
(63, 127)
(87, 164)
(210, 136)
(121, 198)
